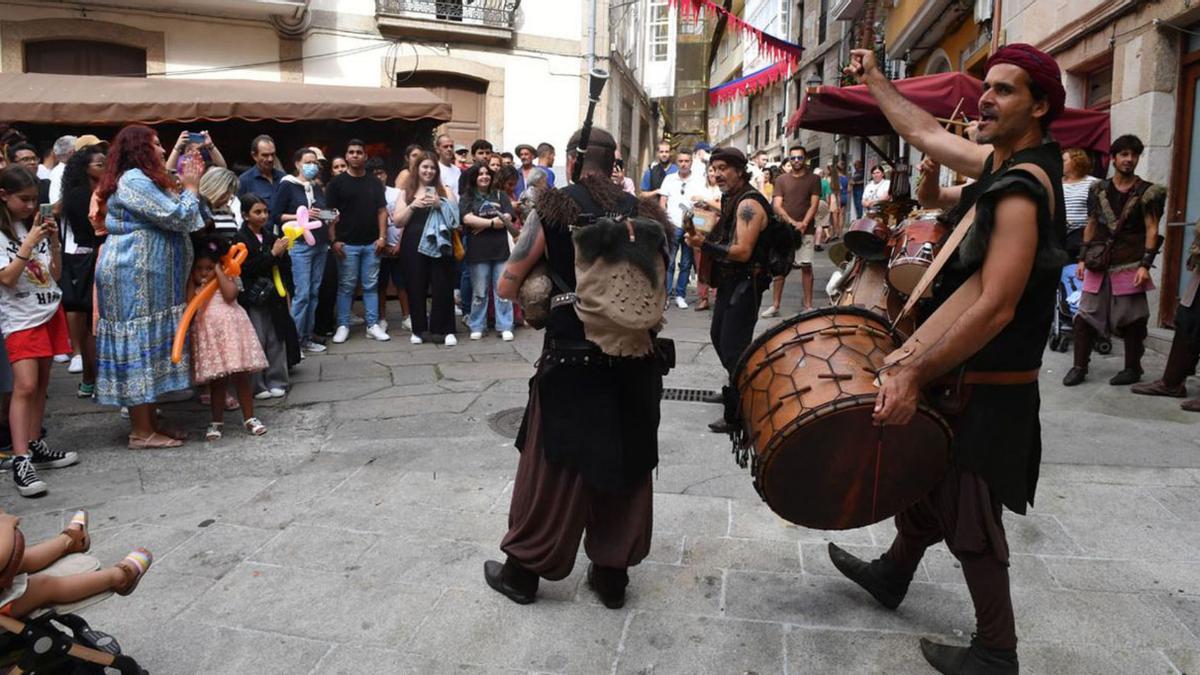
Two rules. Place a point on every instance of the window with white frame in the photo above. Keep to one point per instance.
(660, 29)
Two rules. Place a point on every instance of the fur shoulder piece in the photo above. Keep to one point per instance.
(650, 209)
(1154, 197)
(556, 210)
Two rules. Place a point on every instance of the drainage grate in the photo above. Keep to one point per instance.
(686, 395)
(506, 422)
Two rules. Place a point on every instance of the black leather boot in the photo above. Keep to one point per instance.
(609, 584)
(1180, 362)
(1074, 376)
(511, 580)
(973, 660)
(880, 577)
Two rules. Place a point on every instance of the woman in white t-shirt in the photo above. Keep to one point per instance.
(32, 320)
(877, 189)
(1077, 182)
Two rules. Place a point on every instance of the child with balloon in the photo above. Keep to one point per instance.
(265, 297)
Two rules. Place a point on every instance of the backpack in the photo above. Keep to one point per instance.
(778, 240)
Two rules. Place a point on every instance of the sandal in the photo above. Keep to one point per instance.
(77, 532)
(255, 426)
(154, 441)
(177, 434)
(135, 566)
(214, 431)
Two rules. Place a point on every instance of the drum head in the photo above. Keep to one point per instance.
(906, 273)
(844, 472)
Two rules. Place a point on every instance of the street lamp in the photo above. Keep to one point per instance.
(814, 80)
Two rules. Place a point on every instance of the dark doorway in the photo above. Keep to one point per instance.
(84, 57)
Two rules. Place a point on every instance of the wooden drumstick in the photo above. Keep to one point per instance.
(949, 123)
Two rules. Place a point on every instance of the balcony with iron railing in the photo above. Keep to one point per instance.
(483, 21)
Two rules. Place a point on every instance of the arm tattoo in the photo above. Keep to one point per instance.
(746, 213)
(528, 234)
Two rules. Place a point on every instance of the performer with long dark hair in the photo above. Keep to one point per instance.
(992, 349)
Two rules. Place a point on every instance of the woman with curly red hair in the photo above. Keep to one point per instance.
(141, 280)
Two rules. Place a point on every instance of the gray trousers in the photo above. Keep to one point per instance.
(276, 374)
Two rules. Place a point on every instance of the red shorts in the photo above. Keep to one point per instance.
(40, 342)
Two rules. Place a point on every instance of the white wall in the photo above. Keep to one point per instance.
(191, 44)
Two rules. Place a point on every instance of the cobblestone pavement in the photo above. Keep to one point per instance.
(351, 538)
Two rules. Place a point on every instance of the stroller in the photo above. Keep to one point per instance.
(1066, 305)
(57, 642)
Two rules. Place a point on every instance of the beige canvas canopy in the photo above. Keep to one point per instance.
(36, 98)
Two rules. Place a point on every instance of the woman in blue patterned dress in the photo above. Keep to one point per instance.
(141, 278)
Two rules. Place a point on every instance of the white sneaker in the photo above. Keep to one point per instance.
(506, 335)
(342, 334)
(263, 395)
(406, 324)
(356, 320)
(382, 323)
(314, 348)
(770, 312)
(476, 335)
(62, 358)
(416, 339)
(124, 412)
(451, 340)
(376, 332)
(680, 302)
(76, 364)
(276, 392)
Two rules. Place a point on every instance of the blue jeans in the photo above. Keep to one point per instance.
(677, 285)
(485, 276)
(308, 270)
(360, 266)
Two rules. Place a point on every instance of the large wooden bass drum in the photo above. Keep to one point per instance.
(806, 393)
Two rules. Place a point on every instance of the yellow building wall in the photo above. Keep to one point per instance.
(898, 17)
(953, 44)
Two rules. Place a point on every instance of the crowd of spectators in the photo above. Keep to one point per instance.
(108, 249)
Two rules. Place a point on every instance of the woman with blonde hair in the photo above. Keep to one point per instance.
(219, 202)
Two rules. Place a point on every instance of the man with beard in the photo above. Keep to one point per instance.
(992, 349)
(739, 258)
(652, 177)
(1120, 243)
(589, 439)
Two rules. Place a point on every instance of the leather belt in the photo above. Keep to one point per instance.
(990, 377)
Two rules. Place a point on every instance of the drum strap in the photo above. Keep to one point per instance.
(933, 328)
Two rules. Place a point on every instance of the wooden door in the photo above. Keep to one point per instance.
(468, 98)
(1183, 207)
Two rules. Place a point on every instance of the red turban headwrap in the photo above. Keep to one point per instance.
(1042, 69)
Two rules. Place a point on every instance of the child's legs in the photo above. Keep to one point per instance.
(245, 394)
(44, 554)
(216, 396)
(22, 409)
(39, 399)
(46, 590)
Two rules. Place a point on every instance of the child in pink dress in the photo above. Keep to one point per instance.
(224, 344)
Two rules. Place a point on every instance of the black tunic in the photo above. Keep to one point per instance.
(258, 265)
(998, 434)
(601, 418)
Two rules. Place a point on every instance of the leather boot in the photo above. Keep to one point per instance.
(880, 577)
(1083, 337)
(1074, 376)
(1191, 406)
(511, 580)
(973, 660)
(609, 584)
(1180, 362)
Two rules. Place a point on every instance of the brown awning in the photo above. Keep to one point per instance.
(35, 98)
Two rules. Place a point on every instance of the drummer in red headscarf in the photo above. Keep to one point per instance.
(991, 352)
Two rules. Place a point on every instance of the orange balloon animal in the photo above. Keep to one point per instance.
(232, 264)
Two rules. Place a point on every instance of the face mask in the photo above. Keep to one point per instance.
(310, 170)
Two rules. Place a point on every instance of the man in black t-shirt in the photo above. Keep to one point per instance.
(359, 236)
(991, 350)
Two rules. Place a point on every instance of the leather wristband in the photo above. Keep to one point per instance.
(717, 251)
(1148, 258)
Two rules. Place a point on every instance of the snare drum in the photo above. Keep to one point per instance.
(919, 240)
(806, 393)
(867, 238)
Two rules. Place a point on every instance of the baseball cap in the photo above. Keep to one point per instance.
(459, 147)
(88, 139)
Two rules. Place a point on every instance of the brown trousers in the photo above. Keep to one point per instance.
(962, 512)
(552, 507)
